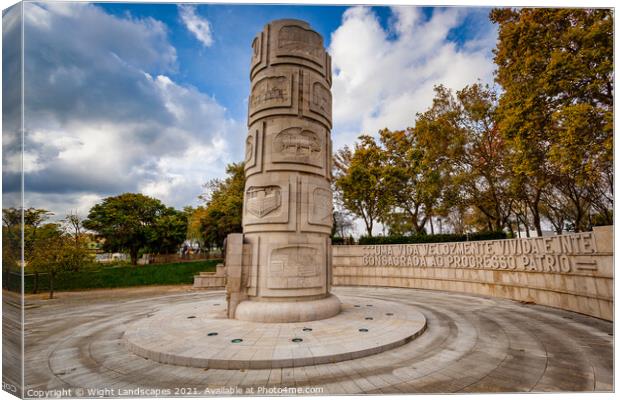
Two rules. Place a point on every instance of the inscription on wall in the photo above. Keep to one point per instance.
(262, 200)
(294, 267)
(545, 254)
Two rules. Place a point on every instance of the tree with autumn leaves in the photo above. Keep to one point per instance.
(555, 67)
(538, 147)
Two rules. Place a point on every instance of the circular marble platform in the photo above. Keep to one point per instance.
(199, 335)
(472, 344)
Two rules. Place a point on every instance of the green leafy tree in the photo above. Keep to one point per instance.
(556, 70)
(360, 181)
(130, 222)
(168, 232)
(223, 209)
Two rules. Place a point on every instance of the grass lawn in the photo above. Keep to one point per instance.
(122, 276)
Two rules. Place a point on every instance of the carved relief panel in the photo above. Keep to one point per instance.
(320, 207)
(316, 205)
(270, 92)
(297, 145)
(250, 150)
(253, 149)
(258, 52)
(321, 99)
(262, 200)
(318, 100)
(269, 204)
(293, 42)
(293, 144)
(294, 267)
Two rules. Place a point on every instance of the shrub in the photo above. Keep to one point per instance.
(439, 238)
(337, 240)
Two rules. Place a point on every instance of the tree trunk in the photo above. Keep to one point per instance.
(133, 255)
(526, 223)
(432, 228)
(51, 286)
(35, 288)
(536, 214)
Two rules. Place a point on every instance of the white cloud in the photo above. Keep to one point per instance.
(105, 115)
(383, 76)
(200, 27)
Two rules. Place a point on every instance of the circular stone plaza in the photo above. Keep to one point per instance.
(453, 343)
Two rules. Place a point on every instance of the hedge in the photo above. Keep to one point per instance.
(337, 240)
(422, 238)
(124, 276)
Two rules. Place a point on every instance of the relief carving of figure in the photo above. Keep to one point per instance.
(262, 200)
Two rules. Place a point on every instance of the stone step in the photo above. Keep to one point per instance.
(201, 281)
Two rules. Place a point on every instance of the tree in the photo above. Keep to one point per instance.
(413, 188)
(73, 225)
(360, 181)
(343, 224)
(222, 213)
(556, 70)
(486, 175)
(33, 220)
(11, 243)
(127, 222)
(169, 230)
(56, 251)
(463, 155)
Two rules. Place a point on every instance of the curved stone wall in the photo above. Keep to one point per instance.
(573, 272)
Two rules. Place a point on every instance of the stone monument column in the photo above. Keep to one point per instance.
(285, 255)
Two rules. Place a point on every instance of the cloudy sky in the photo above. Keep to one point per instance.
(152, 98)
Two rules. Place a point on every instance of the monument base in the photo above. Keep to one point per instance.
(199, 334)
(288, 311)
